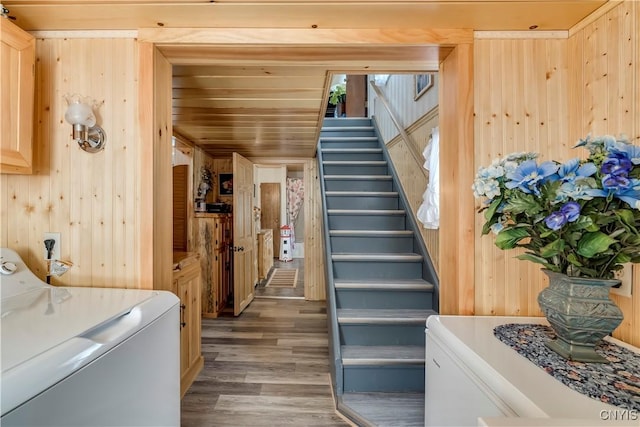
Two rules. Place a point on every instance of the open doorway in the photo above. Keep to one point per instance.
(280, 202)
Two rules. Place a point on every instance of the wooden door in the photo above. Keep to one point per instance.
(270, 205)
(356, 96)
(243, 233)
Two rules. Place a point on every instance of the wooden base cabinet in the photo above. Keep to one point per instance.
(213, 240)
(187, 286)
(265, 252)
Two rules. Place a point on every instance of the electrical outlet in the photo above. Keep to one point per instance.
(55, 254)
(626, 277)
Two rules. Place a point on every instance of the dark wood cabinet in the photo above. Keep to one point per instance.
(213, 237)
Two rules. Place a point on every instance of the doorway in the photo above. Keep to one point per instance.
(271, 206)
(159, 51)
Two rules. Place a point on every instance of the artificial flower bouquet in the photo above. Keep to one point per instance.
(580, 218)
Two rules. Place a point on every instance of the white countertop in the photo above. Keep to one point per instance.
(521, 384)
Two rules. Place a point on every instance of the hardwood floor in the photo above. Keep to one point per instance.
(276, 292)
(267, 367)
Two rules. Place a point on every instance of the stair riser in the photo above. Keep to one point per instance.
(347, 133)
(373, 244)
(358, 185)
(352, 270)
(374, 299)
(408, 379)
(375, 334)
(346, 143)
(362, 202)
(352, 156)
(355, 169)
(351, 121)
(366, 222)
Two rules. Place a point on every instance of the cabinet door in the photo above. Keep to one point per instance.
(454, 396)
(17, 77)
(189, 294)
(268, 256)
(205, 244)
(183, 294)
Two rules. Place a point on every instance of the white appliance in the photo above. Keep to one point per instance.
(74, 356)
(473, 379)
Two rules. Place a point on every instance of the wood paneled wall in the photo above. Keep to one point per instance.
(314, 266)
(155, 159)
(91, 199)
(542, 95)
(399, 91)
(457, 257)
(519, 106)
(604, 98)
(413, 177)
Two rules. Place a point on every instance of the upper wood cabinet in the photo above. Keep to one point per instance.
(17, 79)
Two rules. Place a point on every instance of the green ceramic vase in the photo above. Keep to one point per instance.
(581, 313)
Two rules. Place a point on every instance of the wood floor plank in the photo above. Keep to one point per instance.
(271, 419)
(299, 390)
(262, 404)
(267, 367)
(385, 409)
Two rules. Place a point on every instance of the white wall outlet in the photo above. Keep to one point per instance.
(626, 277)
(55, 254)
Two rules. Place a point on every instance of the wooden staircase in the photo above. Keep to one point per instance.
(381, 283)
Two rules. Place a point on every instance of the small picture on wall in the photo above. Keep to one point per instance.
(226, 184)
(422, 84)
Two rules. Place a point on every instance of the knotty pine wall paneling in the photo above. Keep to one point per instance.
(156, 133)
(605, 99)
(314, 265)
(519, 106)
(91, 199)
(413, 177)
(456, 252)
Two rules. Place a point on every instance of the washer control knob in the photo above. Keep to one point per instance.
(7, 267)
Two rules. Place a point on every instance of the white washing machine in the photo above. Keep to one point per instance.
(74, 356)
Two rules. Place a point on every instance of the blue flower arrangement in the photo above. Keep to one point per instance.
(580, 218)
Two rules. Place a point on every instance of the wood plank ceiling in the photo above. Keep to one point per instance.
(269, 101)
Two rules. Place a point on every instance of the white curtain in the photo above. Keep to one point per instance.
(429, 210)
(295, 197)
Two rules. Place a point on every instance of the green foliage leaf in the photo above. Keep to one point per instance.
(628, 219)
(522, 203)
(538, 260)
(573, 259)
(584, 222)
(592, 244)
(493, 207)
(621, 258)
(509, 237)
(552, 249)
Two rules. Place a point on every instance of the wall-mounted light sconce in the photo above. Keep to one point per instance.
(89, 136)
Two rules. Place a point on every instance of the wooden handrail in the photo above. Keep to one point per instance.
(403, 133)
